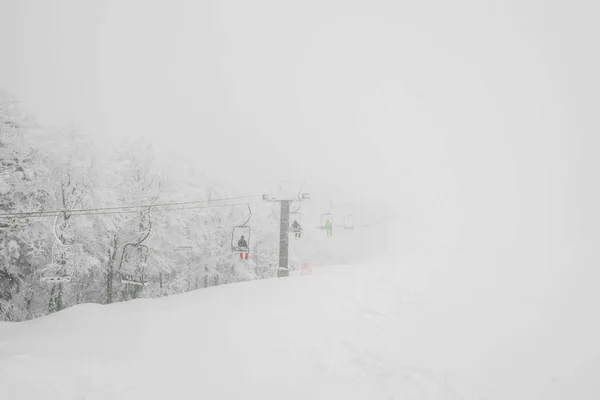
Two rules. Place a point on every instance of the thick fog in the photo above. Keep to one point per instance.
(461, 135)
(475, 119)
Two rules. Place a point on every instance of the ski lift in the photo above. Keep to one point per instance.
(63, 261)
(296, 216)
(241, 232)
(349, 221)
(328, 216)
(62, 266)
(135, 276)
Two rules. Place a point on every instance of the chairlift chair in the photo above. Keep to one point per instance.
(295, 216)
(296, 231)
(328, 216)
(136, 275)
(239, 231)
(349, 222)
(65, 255)
(63, 261)
(133, 279)
(60, 273)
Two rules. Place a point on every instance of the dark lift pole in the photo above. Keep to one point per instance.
(284, 227)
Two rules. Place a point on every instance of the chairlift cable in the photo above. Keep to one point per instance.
(35, 214)
(85, 210)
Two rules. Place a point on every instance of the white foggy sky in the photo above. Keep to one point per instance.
(478, 107)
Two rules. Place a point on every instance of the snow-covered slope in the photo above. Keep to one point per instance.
(389, 330)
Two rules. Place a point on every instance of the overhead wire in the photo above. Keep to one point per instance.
(121, 209)
(133, 212)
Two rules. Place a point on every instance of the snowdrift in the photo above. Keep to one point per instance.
(394, 330)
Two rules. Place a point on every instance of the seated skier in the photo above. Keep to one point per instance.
(328, 228)
(296, 229)
(243, 245)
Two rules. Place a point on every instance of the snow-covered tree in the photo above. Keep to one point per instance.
(94, 203)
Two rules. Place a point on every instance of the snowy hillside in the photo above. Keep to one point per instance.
(393, 330)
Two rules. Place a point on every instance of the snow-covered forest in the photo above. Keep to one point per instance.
(440, 159)
(50, 173)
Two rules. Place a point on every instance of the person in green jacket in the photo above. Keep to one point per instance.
(328, 228)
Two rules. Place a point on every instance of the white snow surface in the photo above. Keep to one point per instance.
(398, 329)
